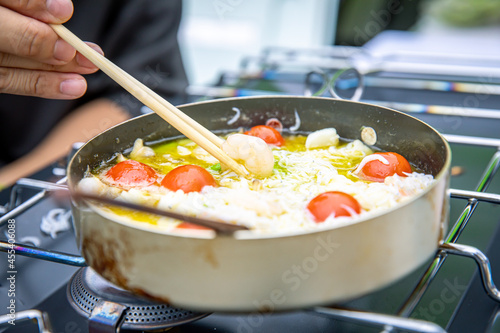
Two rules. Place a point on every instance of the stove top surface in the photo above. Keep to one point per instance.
(456, 295)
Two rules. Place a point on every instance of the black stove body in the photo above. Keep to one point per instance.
(448, 293)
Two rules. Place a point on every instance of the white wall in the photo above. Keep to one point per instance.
(216, 34)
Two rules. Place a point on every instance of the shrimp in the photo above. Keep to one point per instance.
(252, 152)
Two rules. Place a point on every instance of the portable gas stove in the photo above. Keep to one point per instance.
(449, 293)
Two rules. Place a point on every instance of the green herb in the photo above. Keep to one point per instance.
(215, 167)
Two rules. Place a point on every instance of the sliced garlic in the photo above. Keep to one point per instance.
(323, 138)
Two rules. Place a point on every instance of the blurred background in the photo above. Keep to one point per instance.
(216, 35)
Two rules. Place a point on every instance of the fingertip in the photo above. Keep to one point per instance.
(61, 10)
(73, 87)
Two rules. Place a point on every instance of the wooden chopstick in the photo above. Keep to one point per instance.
(178, 119)
(222, 228)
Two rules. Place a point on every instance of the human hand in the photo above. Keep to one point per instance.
(34, 61)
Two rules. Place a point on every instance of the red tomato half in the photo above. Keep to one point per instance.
(187, 225)
(334, 202)
(268, 134)
(132, 173)
(376, 171)
(189, 178)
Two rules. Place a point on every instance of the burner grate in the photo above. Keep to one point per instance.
(85, 300)
(86, 290)
(144, 314)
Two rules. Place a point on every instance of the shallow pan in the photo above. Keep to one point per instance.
(246, 272)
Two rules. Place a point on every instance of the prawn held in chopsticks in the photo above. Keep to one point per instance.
(252, 152)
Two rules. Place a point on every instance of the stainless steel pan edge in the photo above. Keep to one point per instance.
(273, 273)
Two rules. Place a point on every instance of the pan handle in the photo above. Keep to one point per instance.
(34, 252)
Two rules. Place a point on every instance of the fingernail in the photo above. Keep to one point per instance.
(61, 9)
(96, 47)
(73, 87)
(63, 51)
(84, 62)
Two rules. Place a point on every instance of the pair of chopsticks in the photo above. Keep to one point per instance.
(221, 228)
(175, 117)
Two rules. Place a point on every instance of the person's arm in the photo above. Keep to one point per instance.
(80, 126)
(140, 36)
(34, 61)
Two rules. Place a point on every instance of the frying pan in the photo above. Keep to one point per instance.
(247, 272)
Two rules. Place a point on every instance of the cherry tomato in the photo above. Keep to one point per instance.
(334, 202)
(132, 173)
(187, 225)
(268, 134)
(376, 171)
(189, 178)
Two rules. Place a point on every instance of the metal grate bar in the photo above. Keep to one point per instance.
(39, 317)
(409, 306)
(472, 140)
(37, 253)
(15, 211)
(482, 262)
(378, 319)
(480, 196)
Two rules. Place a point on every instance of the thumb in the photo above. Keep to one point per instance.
(48, 11)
